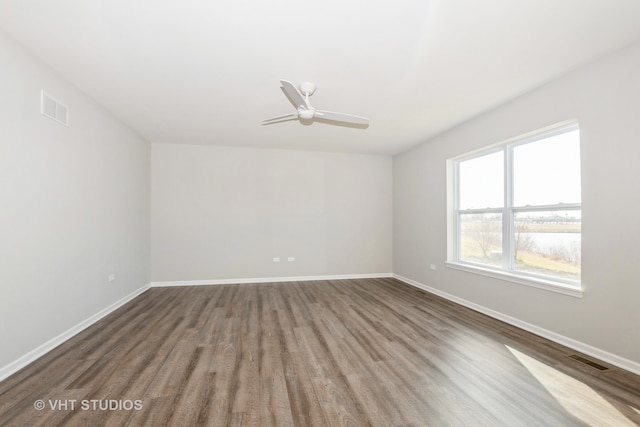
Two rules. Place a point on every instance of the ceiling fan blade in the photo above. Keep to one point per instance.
(294, 94)
(279, 118)
(341, 117)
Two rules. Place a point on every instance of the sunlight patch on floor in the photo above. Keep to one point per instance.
(577, 398)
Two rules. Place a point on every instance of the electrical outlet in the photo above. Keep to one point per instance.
(112, 277)
(432, 267)
(276, 259)
(291, 259)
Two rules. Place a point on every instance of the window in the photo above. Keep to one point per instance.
(517, 208)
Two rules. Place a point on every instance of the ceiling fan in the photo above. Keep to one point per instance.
(304, 110)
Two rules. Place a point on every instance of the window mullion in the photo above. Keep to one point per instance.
(507, 215)
(456, 210)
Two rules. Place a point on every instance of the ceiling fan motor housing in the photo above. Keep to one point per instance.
(306, 114)
(307, 88)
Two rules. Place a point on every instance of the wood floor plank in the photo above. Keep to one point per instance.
(319, 353)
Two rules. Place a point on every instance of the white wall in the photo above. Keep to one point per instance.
(74, 207)
(224, 213)
(605, 97)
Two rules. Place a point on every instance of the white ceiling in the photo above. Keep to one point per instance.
(207, 72)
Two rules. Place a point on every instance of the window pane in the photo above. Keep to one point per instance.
(547, 171)
(481, 182)
(481, 238)
(548, 243)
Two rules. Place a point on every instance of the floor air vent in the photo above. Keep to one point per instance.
(588, 362)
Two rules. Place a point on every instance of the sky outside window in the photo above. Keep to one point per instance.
(547, 172)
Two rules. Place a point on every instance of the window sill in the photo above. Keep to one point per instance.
(547, 285)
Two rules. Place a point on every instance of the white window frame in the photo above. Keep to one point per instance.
(508, 211)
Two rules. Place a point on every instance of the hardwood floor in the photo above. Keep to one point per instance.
(354, 352)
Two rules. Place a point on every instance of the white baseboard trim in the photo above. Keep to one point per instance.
(605, 356)
(41, 350)
(270, 280)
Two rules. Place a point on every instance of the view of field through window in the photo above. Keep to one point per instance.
(546, 243)
(538, 193)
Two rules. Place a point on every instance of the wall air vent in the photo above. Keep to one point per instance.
(54, 109)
